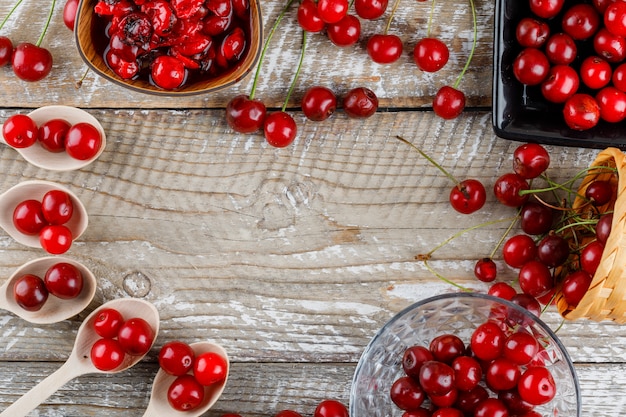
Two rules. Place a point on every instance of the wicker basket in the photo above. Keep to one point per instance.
(606, 297)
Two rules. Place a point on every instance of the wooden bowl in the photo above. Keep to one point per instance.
(86, 40)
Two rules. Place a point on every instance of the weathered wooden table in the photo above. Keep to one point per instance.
(290, 258)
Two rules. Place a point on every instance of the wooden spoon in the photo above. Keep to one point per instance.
(59, 161)
(79, 362)
(55, 309)
(160, 407)
(36, 190)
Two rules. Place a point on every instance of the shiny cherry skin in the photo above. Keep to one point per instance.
(519, 249)
(491, 407)
(575, 286)
(20, 131)
(537, 385)
(384, 48)
(595, 72)
(108, 322)
(332, 11)
(55, 238)
(508, 188)
(6, 50)
(485, 270)
(535, 278)
(57, 207)
(30, 62)
(210, 368)
(52, 135)
(136, 336)
(536, 218)
(502, 290)
(446, 347)
(309, 18)
(531, 32)
(487, 341)
(370, 9)
(520, 347)
(468, 196)
(245, 115)
(406, 393)
(319, 103)
(610, 47)
(614, 18)
(553, 250)
(531, 66)
(330, 408)
(107, 354)
(185, 393)
(580, 21)
(436, 378)
(30, 292)
(603, 227)
(168, 72)
(280, 129)
(430, 54)
(467, 373)
(28, 217)
(360, 102)
(561, 49)
(345, 32)
(83, 141)
(599, 192)
(546, 8)
(502, 374)
(590, 256)
(176, 358)
(449, 102)
(612, 103)
(64, 280)
(561, 83)
(618, 78)
(581, 112)
(69, 13)
(413, 358)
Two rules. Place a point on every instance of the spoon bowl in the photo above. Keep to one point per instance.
(160, 407)
(55, 309)
(79, 362)
(35, 190)
(59, 161)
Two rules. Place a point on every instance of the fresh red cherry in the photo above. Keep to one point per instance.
(485, 270)
(581, 112)
(580, 21)
(595, 72)
(546, 8)
(609, 46)
(370, 9)
(468, 196)
(245, 115)
(176, 358)
(536, 218)
(330, 408)
(20, 131)
(603, 227)
(55, 238)
(185, 393)
(502, 374)
(599, 192)
(406, 393)
(531, 32)
(537, 385)
(531, 66)
(436, 378)
(518, 250)
(345, 32)
(467, 373)
(561, 49)
(449, 102)
(280, 129)
(520, 347)
(502, 290)
(319, 103)
(168, 72)
(614, 18)
(508, 189)
(360, 102)
(561, 83)
(52, 135)
(309, 18)
(535, 279)
(69, 13)
(553, 250)
(487, 341)
(446, 347)
(384, 48)
(210, 368)
(413, 358)
(83, 141)
(530, 160)
(332, 11)
(64, 280)
(575, 286)
(30, 292)
(430, 54)
(135, 336)
(28, 217)
(612, 103)
(57, 207)
(108, 322)
(30, 62)
(6, 50)
(107, 354)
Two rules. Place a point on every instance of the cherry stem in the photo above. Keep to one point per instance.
(446, 280)
(471, 55)
(10, 13)
(297, 74)
(266, 47)
(393, 11)
(45, 28)
(430, 18)
(504, 235)
(432, 161)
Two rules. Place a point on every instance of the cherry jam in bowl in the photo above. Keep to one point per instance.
(464, 351)
(170, 47)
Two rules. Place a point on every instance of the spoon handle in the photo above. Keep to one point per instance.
(40, 392)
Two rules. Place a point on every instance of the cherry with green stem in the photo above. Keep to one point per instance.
(467, 196)
(430, 54)
(6, 45)
(449, 102)
(244, 113)
(385, 48)
(31, 62)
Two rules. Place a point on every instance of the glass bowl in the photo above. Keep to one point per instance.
(459, 314)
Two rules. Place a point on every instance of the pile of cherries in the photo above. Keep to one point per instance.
(62, 280)
(48, 219)
(119, 337)
(326, 408)
(80, 141)
(173, 43)
(574, 53)
(193, 373)
(500, 371)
